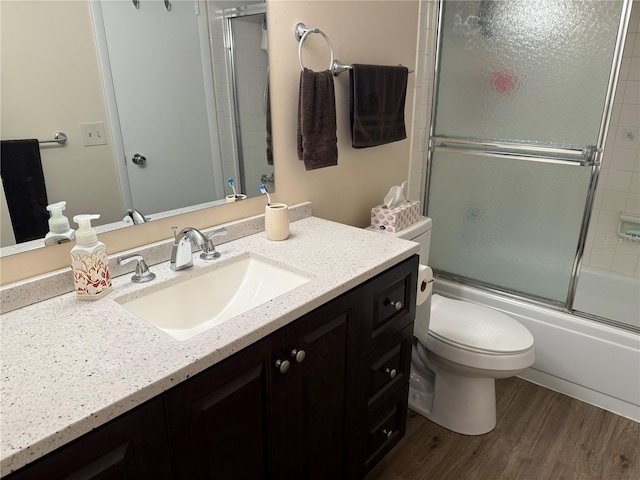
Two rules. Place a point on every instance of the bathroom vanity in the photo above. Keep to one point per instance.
(313, 384)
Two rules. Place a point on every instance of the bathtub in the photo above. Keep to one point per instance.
(593, 362)
(609, 295)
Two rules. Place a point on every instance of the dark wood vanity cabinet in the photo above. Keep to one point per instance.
(389, 309)
(276, 410)
(226, 423)
(321, 391)
(324, 397)
(132, 447)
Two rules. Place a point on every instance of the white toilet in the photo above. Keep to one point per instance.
(459, 350)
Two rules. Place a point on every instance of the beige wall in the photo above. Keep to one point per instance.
(361, 32)
(380, 32)
(51, 82)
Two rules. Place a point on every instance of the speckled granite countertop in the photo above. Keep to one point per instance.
(69, 366)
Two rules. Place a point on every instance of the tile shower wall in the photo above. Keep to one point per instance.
(425, 58)
(618, 190)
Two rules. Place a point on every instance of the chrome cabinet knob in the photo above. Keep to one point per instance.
(299, 355)
(391, 372)
(139, 160)
(387, 433)
(397, 304)
(283, 365)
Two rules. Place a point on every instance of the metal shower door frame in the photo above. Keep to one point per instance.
(587, 158)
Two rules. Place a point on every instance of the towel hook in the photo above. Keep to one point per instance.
(301, 31)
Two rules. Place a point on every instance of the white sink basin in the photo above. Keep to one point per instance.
(194, 305)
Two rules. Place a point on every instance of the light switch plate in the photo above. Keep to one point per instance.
(93, 134)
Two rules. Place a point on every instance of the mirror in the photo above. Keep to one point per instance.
(192, 104)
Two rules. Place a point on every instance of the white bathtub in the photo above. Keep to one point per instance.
(593, 362)
(608, 294)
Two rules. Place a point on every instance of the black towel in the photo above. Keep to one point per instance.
(24, 188)
(317, 139)
(377, 96)
(268, 126)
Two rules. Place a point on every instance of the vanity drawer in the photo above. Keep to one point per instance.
(390, 303)
(387, 368)
(384, 429)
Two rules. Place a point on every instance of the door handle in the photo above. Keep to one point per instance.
(139, 160)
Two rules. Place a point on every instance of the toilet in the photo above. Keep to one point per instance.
(459, 349)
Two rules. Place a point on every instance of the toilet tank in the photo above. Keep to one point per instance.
(419, 232)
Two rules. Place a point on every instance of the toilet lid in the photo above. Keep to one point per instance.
(476, 327)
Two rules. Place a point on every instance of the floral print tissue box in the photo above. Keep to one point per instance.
(395, 219)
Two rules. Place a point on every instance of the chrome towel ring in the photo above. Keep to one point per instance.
(301, 31)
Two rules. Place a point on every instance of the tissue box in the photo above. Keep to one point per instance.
(395, 219)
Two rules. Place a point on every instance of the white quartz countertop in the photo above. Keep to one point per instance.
(68, 366)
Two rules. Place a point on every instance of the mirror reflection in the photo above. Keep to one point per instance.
(165, 109)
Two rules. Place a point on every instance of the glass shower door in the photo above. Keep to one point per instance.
(522, 96)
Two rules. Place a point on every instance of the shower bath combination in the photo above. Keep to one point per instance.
(520, 116)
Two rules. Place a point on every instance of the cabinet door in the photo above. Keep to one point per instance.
(227, 422)
(132, 447)
(318, 394)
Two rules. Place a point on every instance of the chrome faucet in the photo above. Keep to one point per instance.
(133, 215)
(181, 256)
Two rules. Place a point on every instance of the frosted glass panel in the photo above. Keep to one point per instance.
(526, 70)
(509, 223)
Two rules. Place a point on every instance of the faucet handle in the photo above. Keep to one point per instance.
(209, 251)
(142, 270)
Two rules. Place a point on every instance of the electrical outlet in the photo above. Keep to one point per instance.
(93, 134)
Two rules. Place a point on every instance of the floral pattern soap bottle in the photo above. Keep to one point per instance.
(89, 261)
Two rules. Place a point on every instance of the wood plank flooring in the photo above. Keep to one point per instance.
(540, 435)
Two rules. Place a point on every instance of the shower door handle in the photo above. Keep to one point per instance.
(587, 156)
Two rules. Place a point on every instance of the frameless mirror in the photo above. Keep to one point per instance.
(185, 85)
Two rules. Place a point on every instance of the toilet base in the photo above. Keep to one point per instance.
(458, 403)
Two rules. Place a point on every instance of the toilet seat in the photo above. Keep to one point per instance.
(476, 336)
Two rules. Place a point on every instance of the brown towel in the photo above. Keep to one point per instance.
(317, 140)
(24, 188)
(377, 94)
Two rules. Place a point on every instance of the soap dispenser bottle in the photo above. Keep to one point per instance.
(59, 229)
(89, 261)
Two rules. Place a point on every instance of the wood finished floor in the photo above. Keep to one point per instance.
(540, 435)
